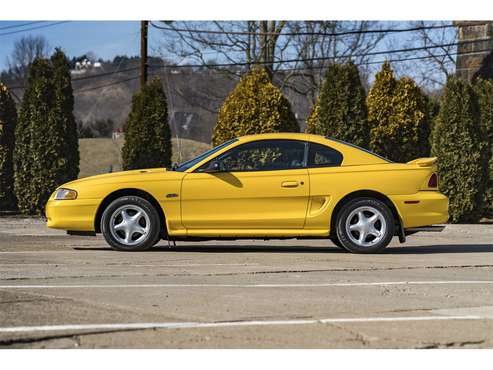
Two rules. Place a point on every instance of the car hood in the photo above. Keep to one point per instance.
(118, 176)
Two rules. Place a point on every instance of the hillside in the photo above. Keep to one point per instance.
(99, 155)
(194, 96)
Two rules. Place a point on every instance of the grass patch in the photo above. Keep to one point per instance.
(100, 155)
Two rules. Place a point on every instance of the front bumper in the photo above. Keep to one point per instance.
(422, 208)
(77, 214)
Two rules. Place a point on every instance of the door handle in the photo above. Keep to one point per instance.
(289, 184)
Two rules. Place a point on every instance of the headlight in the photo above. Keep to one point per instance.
(65, 194)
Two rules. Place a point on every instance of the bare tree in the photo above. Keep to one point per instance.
(230, 42)
(437, 60)
(26, 49)
(316, 44)
(270, 43)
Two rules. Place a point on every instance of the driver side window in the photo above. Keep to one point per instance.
(264, 155)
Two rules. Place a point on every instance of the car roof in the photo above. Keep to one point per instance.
(352, 153)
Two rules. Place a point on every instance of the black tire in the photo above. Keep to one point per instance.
(336, 242)
(383, 226)
(149, 221)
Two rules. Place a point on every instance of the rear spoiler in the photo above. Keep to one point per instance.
(423, 162)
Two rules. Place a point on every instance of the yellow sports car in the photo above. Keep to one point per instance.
(284, 185)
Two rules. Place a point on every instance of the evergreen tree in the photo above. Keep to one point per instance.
(8, 120)
(148, 135)
(341, 110)
(457, 144)
(398, 117)
(313, 117)
(30, 135)
(46, 152)
(255, 106)
(63, 124)
(484, 91)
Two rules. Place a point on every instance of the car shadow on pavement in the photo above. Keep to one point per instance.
(441, 248)
(425, 249)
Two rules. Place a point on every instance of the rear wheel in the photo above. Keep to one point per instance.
(130, 223)
(365, 225)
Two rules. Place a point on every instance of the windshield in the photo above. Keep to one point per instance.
(186, 165)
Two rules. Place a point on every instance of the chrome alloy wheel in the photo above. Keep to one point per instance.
(130, 225)
(366, 226)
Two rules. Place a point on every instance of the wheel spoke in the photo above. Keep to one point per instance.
(361, 216)
(137, 216)
(376, 233)
(373, 219)
(120, 226)
(354, 227)
(139, 229)
(125, 216)
(362, 237)
(128, 236)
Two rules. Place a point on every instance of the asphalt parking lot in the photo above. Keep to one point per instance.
(58, 291)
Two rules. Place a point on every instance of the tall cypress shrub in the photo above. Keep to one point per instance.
(148, 135)
(255, 106)
(398, 117)
(30, 134)
(484, 92)
(46, 149)
(62, 122)
(457, 143)
(8, 120)
(341, 111)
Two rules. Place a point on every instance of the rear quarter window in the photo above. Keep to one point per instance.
(323, 156)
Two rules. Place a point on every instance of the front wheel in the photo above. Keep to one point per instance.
(365, 225)
(130, 223)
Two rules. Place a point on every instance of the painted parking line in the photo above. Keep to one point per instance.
(128, 264)
(307, 285)
(197, 325)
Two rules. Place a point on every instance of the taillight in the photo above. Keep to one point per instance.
(433, 181)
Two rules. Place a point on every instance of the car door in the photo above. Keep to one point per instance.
(323, 163)
(257, 185)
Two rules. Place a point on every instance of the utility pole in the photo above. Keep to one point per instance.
(144, 25)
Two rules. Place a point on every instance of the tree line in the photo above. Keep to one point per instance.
(396, 119)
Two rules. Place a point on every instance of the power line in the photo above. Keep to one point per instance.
(300, 69)
(82, 78)
(75, 79)
(113, 82)
(302, 33)
(19, 25)
(33, 28)
(104, 74)
(293, 60)
(315, 59)
(107, 85)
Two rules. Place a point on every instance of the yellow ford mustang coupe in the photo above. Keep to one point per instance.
(285, 185)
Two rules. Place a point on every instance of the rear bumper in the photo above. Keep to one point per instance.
(422, 208)
(76, 215)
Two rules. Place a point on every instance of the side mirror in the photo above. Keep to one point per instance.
(214, 167)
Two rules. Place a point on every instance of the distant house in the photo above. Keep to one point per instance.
(84, 66)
